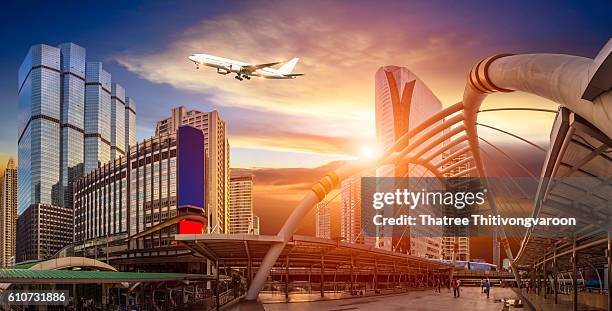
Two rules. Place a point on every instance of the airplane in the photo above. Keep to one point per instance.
(244, 70)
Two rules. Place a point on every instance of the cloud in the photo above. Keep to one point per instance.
(340, 49)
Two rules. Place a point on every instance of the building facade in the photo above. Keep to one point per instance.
(124, 210)
(255, 224)
(64, 124)
(350, 210)
(402, 102)
(456, 242)
(323, 220)
(42, 231)
(72, 117)
(241, 205)
(8, 214)
(218, 159)
(117, 114)
(97, 116)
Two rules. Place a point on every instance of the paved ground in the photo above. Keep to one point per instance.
(548, 304)
(471, 299)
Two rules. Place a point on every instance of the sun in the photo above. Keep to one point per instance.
(367, 152)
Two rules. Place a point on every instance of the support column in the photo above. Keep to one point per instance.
(555, 275)
(609, 255)
(375, 274)
(217, 285)
(322, 275)
(544, 275)
(249, 276)
(287, 278)
(574, 276)
(351, 276)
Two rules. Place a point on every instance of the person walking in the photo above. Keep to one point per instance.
(482, 287)
(487, 285)
(456, 284)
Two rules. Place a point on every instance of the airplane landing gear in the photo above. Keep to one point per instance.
(246, 77)
(237, 77)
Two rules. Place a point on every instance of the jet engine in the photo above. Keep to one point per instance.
(223, 71)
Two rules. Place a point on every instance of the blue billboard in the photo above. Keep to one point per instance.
(191, 177)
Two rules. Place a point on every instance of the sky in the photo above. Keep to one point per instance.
(279, 130)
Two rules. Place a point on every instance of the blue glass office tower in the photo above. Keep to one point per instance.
(97, 116)
(118, 121)
(130, 123)
(72, 127)
(39, 122)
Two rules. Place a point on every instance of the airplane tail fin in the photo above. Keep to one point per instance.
(287, 68)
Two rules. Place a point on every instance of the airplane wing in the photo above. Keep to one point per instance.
(259, 66)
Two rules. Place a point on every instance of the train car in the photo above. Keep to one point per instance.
(470, 265)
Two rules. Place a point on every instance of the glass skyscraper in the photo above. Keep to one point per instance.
(97, 116)
(72, 104)
(39, 122)
(118, 119)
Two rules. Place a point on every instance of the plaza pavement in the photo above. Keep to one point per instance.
(471, 299)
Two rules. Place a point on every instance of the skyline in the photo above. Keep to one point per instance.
(305, 138)
(279, 119)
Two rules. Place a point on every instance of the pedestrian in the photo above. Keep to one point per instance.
(458, 288)
(482, 282)
(487, 285)
(456, 284)
(439, 285)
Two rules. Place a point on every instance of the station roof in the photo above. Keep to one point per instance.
(577, 183)
(25, 276)
(237, 250)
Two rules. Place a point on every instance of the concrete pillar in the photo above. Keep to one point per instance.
(574, 277)
(322, 276)
(287, 278)
(544, 276)
(555, 275)
(351, 275)
(375, 274)
(216, 286)
(249, 276)
(609, 255)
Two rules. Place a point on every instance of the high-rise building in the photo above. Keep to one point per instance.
(8, 213)
(97, 116)
(255, 224)
(402, 102)
(323, 220)
(456, 242)
(64, 127)
(241, 205)
(218, 159)
(130, 123)
(43, 230)
(118, 113)
(120, 206)
(39, 140)
(350, 210)
(72, 117)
